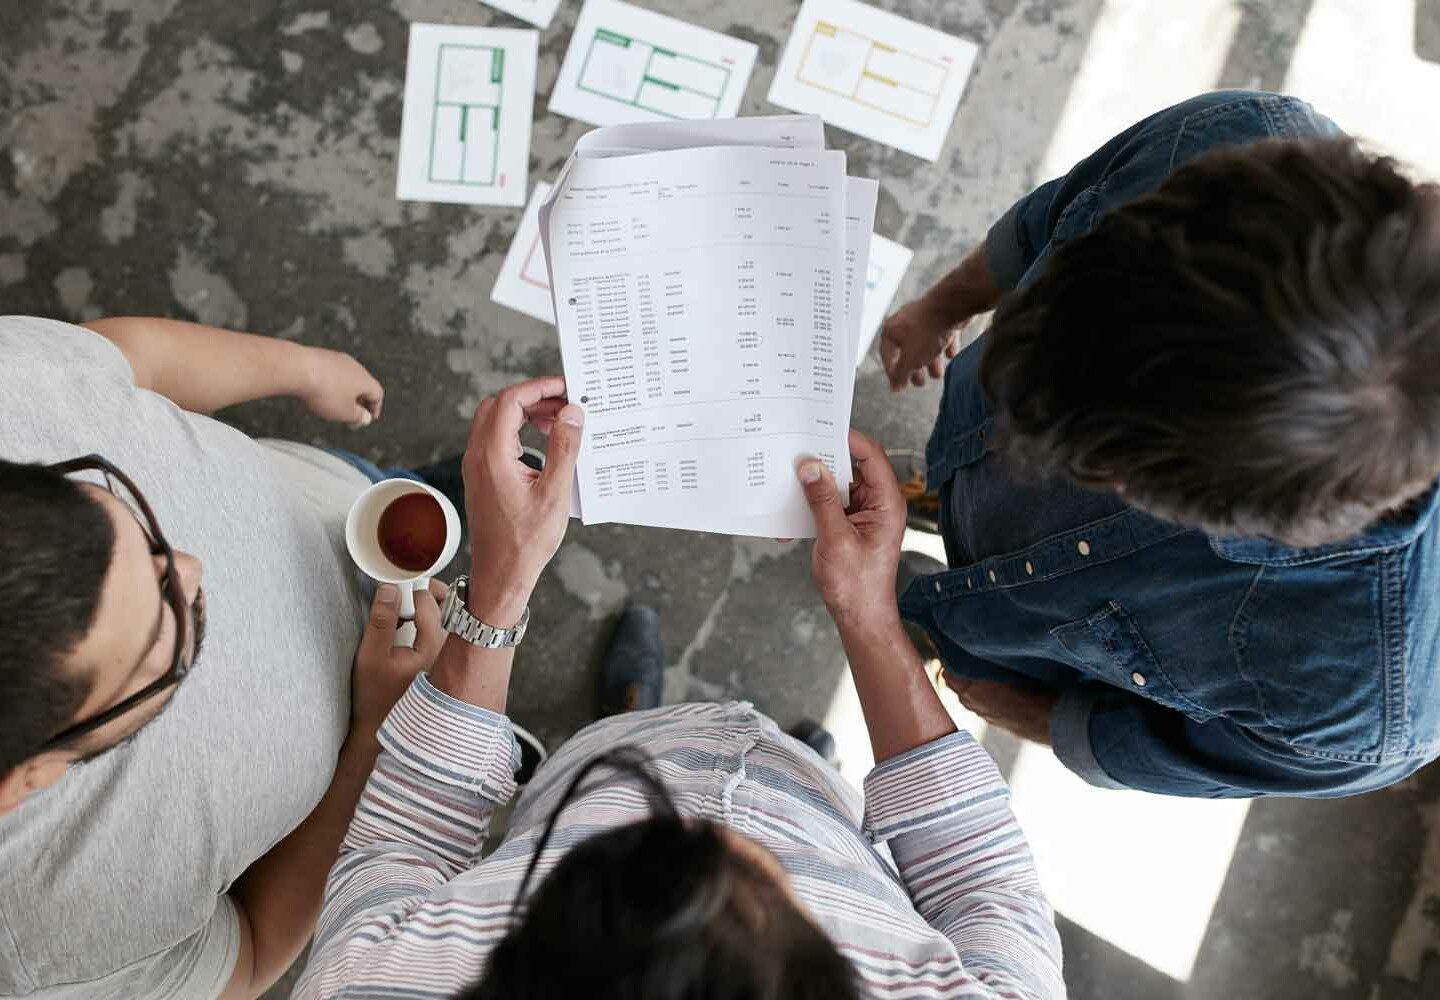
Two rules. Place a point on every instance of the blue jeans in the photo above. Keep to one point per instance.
(372, 471)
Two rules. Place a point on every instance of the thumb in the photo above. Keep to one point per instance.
(562, 451)
(360, 416)
(380, 629)
(823, 496)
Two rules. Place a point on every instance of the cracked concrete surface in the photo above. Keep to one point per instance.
(234, 163)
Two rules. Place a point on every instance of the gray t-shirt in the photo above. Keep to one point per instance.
(113, 880)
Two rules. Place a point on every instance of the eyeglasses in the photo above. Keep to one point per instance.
(124, 490)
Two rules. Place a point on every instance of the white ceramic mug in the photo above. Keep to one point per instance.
(362, 538)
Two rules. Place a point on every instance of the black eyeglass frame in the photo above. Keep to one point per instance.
(170, 589)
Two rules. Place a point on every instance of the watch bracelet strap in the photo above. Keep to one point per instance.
(481, 634)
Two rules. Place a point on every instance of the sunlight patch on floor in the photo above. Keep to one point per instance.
(1356, 63)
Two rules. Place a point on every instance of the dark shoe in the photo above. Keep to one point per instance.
(817, 738)
(445, 476)
(922, 507)
(914, 565)
(633, 675)
(532, 755)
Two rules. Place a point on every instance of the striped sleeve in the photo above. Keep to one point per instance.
(444, 767)
(944, 809)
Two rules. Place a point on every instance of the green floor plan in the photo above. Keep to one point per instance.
(465, 128)
(635, 72)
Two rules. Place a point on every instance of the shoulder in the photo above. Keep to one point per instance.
(28, 343)
(1237, 117)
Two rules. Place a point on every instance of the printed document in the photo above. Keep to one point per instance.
(465, 133)
(628, 64)
(524, 281)
(874, 73)
(701, 298)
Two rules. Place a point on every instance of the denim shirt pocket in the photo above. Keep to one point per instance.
(1108, 646)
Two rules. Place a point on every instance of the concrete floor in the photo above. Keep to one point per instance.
(234, 163)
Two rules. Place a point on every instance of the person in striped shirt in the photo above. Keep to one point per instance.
(686, 851)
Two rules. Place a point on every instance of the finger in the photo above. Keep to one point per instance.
(542, 415)
(872, 465)
(380, 629)
(478, 422)
(917, 377)
(512, 403)
(373, 399)
(360, 417)
(428, 634)
(890, 356)
(546, 409)
(937, 366)
(562, 452)
(824, 498)
(439, 590)
(952, 347)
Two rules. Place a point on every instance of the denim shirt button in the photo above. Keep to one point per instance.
(1084, 548)
(992, 576)
(937, 586)
(1138, 678)
(1029, 570)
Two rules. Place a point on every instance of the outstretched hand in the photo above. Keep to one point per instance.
(341, 389)
(857, 546)
(916, 343)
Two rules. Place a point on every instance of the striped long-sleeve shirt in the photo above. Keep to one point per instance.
(412, 910)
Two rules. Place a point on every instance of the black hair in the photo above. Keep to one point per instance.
(661, 909)
(1252, 349)
(55, 549)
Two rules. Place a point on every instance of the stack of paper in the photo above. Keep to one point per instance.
(707, 279)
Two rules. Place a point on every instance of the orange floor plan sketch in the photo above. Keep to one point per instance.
(874, 73)
(524, 280)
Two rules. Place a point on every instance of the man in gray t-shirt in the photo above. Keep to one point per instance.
(187, 861)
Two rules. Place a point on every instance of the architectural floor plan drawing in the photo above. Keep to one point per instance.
(873, 73)
(633, 71)
(465, 135)
(626, 64)
(465, 126)
(524, 281)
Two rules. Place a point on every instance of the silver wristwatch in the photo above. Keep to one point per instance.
(455, 617)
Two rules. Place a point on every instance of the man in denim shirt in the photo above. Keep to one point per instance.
(1187, 476)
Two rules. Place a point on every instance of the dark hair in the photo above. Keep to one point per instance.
(661, 909)
(55, 547)
(1252, 349)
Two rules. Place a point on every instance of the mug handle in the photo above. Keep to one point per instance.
(407, 596)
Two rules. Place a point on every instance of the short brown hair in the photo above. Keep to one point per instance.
(1252, 349)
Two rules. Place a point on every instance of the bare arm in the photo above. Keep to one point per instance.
(278, 898)
(855, 557)
(204, 369)
(518, 518)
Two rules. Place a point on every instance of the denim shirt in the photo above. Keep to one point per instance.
(1184, 663)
